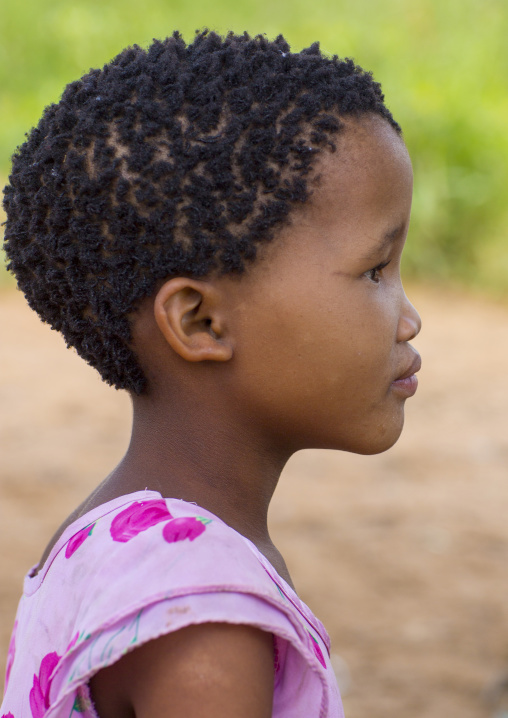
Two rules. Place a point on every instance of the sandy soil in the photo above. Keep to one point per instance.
(403, 556)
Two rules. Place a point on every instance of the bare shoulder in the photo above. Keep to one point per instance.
(220, 669)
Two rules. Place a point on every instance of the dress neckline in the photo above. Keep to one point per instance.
(33, 582)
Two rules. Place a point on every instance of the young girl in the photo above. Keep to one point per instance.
(217, 228)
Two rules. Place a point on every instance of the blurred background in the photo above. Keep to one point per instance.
(404, 555)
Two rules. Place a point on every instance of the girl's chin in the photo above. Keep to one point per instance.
(381, 441)
(365, 446)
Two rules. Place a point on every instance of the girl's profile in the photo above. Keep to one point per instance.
(217, 228)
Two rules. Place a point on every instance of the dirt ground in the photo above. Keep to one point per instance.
(404, 556)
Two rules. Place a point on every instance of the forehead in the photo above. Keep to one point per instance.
(360, 194)
(369, 173)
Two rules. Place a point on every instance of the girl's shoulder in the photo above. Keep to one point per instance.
(134, 569)
(143, 545)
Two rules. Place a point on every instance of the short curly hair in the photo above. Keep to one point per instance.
(178, 160)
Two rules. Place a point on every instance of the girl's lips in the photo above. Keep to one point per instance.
(406, 386)
(407, 383)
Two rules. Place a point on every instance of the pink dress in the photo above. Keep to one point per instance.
(140, 567)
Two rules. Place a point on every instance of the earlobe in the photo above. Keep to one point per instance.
(189, 314)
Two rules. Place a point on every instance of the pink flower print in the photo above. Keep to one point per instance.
(72, 643)
(10, 654)
(317, 650)
(7, 715)
(79, 538)
(183, 528)
(138, 517)
(39, 694)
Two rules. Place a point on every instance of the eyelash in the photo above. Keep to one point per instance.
(373, 274)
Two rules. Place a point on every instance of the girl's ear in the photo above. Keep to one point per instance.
(190, 315)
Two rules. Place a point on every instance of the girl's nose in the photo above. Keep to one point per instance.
(409, 322)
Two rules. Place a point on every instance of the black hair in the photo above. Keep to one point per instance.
(175, 160)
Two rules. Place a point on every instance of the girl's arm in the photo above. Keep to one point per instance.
(215, 669)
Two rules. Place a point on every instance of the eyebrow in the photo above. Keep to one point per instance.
(387, 240)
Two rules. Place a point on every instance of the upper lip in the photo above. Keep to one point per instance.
(415, 366)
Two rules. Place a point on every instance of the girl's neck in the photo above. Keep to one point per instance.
(220, 465)
(200, 456)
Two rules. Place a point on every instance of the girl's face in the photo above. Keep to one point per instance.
(321, 323)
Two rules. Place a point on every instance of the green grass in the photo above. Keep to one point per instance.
(443, 65)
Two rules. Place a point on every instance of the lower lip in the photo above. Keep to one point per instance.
(407, 387)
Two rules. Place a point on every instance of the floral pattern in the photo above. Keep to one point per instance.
(183, 528)
(317, 650)
(72, 643)
(137, 517)
(122, 525)
(79, 538)
(142, 515)
(39, 694)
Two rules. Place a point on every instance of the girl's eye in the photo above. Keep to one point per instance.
(374, 274)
